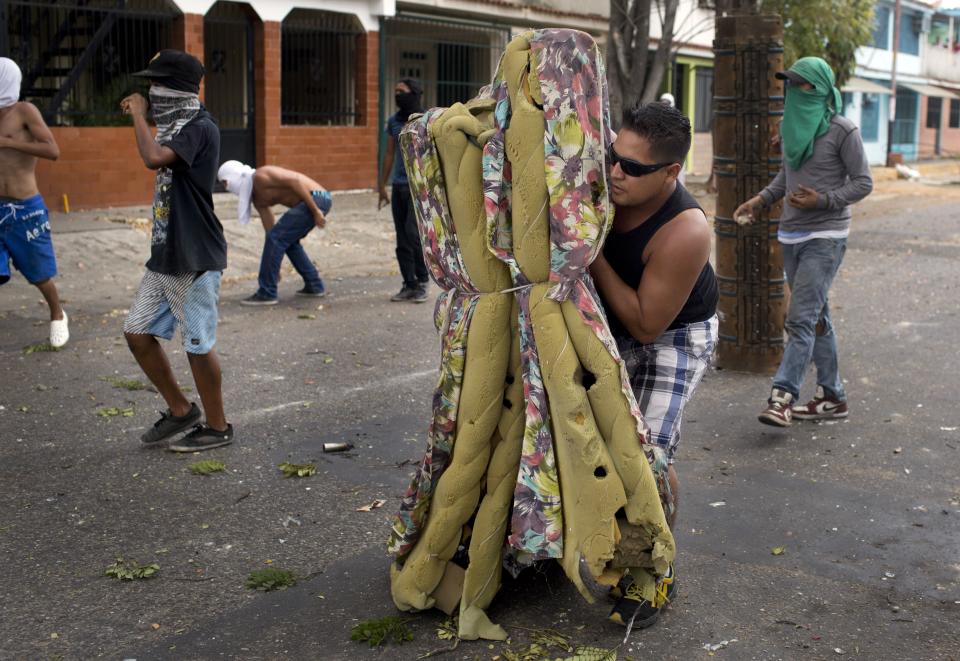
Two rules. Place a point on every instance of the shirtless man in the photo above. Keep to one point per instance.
(307, 204)
(24, 223)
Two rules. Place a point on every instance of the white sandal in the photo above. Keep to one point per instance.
(59, 331)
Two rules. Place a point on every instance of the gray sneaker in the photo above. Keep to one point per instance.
(405, 294)
(419, 295)
(258, 299)
(170, 425)
(203, 438)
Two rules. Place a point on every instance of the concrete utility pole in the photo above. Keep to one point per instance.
(891, 159)
(748, 105)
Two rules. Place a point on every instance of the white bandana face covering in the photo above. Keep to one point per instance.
(171, 110)
(10, 78)
(238, 179)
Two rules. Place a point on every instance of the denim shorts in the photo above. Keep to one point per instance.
(25, 239)
(165, 301)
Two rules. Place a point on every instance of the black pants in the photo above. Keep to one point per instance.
(409, 253)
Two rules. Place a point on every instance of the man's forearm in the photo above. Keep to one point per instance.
(775, 190)
(386, 170)
(266, 218)
(148, 147)
(622, 299)
(38, 149)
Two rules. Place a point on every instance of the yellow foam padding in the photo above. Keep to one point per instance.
(524, 150)
(458, 490)
(462, 164)
(616, 425)
(493, 517)
(489, 342)
(589, 504)
(590, 488)
(600, 462)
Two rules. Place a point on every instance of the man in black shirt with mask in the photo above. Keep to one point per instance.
(408, 95)
(659, 292)
(188, 252)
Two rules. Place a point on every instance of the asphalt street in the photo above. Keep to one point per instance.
(867, 509)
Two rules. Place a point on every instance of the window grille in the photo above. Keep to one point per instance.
(319, 52)
(77, 56)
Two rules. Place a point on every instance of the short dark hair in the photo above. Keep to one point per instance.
(665, 128)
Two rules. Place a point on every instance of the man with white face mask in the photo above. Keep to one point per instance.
(188, 252)
(24, 224)
(308, 203)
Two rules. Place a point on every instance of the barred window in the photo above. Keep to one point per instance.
(318, 80)
(77, 56)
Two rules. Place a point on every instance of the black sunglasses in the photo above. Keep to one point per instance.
(633, 168)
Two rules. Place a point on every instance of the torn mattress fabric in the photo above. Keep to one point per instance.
(536, 446)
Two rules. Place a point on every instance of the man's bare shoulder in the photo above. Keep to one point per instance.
(28, 112)
(687, 234)
(272, 174)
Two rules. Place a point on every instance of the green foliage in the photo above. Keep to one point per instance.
(39, 348)
(129, 570)
(297, 470)
(375, 632)
(448, 629)
(207, 466)
(831, 29)
(591, 653)
(126, 384)
(271, 579)
(113, 412)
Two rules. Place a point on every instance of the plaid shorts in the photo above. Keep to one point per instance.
(664, 374)
(165, 301)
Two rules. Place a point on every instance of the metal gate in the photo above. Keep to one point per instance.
(452, 59)
(229, 81)
(77, 55)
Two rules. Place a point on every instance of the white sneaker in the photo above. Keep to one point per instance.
(59, 331)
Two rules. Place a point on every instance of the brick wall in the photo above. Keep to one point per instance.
(188, 36)
(342, 157)
(98, 167)
(949, 138)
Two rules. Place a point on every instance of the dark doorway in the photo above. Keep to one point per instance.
(229, 81)
(704, 110)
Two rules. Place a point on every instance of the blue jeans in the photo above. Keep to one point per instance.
(284, 238)
(810, 268)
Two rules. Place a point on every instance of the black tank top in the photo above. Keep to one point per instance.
(624, 252)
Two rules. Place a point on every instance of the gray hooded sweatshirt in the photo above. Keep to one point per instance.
(838, 171)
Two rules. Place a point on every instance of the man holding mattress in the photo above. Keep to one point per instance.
(658, 289)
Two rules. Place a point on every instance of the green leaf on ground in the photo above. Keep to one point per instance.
(113, 412)
(39, 348)
(297, 470)
(448, 629)
(129, 570)
(126, 384)
(778, 550)
(271, 579)
(390, 629)
(207, 466)
(590, 653)
(552, 638)
(306, 316)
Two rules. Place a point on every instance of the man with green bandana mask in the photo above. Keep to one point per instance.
(824, 171)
